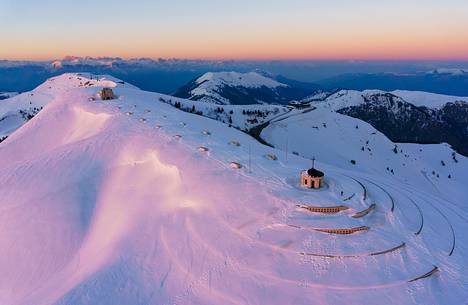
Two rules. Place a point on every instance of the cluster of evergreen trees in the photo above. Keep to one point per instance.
(29, 115)
(255, 113)
(178, 105)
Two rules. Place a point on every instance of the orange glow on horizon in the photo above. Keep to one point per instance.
(293, 55)
(272, 44)
(287, 48)
(237, 30)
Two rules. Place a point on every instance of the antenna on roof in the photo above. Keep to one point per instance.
(313, 162)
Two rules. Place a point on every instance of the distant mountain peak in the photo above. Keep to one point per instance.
(451, 71)
(236, 79)
(240, 88)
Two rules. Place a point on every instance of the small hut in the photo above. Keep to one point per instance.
(106, 94)
(312, 178)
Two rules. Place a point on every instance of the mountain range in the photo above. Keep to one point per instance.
(403, 116)
(167, 75)
(442, 81)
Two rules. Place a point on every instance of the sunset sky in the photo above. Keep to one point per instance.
(242, 29)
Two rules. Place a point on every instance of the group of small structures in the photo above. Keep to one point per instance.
(310, 179)
(313, 179)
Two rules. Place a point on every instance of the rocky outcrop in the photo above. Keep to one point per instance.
(403, 122)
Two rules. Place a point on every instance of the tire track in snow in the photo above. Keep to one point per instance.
(446, 219)
(377, 253)
(196, 282)
(275, 278)
(385, 191)
(418, 208)
(452, 230)
(364, 189)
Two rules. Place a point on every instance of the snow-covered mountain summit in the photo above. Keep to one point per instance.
(17, 110)
(240, 88)
(211, 81)
(210, 86)
(132, 201)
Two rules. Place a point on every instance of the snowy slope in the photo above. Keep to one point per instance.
(405, 116)
(243, 117)
(337, 139)
(17, 110)
(113, 203)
